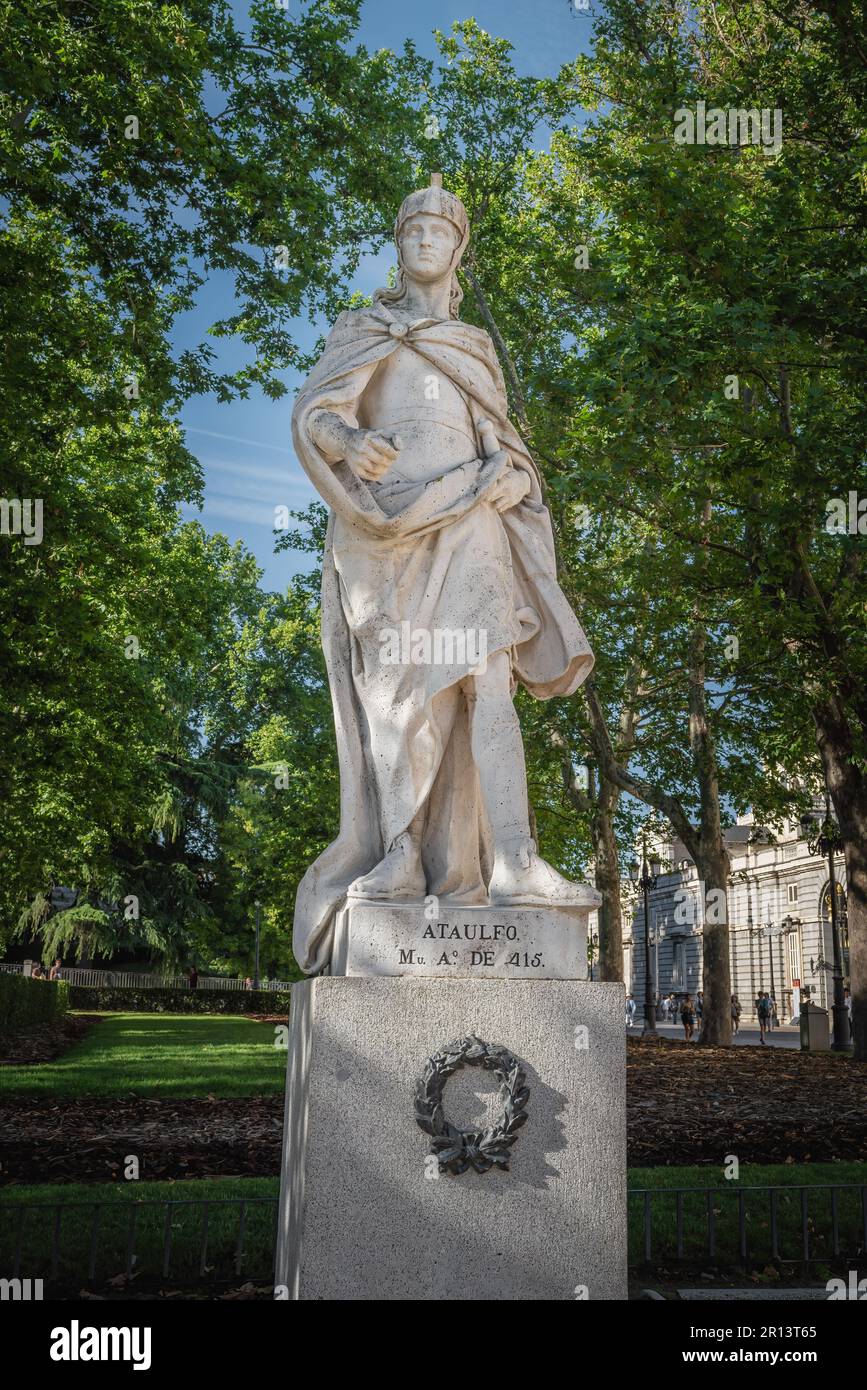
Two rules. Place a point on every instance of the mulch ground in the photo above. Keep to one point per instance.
(685, 1104)
(88, 1140)
(46, 1042)
(694, 1104)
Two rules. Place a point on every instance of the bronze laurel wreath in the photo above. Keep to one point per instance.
(460, 1149)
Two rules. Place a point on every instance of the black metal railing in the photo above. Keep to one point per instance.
(217, 1240)
(173, 1239)
(745, 1225)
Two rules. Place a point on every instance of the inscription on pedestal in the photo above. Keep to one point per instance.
(523, 943)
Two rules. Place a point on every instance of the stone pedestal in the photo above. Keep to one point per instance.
(438, 938)
(366, 1210)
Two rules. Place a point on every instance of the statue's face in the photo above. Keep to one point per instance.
(427, 245)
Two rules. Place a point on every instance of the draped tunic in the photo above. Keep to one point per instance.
(429, 555)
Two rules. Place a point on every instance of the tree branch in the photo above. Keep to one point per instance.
(518, 401)
(661, 801)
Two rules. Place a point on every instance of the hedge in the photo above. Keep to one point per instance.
(25, 1003)
(179, 1001)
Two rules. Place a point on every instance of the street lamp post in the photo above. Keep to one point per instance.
(791, 924)
(257, 906)
(827, 841)
(767, 929)
(788, 924)
(819, 966)
(646, 880)
(592, 951)
(771, 934)
(656, 937)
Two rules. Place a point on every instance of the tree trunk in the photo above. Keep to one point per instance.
(716, 1021)
(600, 807)
(713, 859)
(608, 881)
(713, 871)
(519, 405)
(847, 787)
(534, 824)
(856, 909)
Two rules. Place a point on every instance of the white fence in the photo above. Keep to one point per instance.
(133, 979)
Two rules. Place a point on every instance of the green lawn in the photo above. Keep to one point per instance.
(173, 1055)
(115, 1237)
(199, 1055)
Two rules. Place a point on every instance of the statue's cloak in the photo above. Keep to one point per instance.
(436, 555)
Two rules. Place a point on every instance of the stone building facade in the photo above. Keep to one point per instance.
(775, 882)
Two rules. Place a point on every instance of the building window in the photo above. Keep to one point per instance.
(843, 917)
(678, 965)
(792, 892)
(793, 947)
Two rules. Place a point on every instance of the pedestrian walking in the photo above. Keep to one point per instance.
(630, 1011)
(687, 1018)
(763, 1013)
(736, 1015)
(193, 977)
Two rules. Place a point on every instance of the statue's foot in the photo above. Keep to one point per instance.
(522, 878)
(467, 897)
(396, 878)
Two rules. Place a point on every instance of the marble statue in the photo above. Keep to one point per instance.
(439, 596)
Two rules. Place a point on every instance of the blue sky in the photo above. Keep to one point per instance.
(245, 447)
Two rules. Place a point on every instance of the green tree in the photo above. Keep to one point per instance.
(287, 805)
(698, 395)
(623, 326)
(143, 149)
(719, 349)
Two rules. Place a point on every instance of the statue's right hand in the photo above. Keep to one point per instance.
(370, 453)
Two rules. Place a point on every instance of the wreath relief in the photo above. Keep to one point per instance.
(460, 1149)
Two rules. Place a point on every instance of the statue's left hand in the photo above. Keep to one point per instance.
(511, 489)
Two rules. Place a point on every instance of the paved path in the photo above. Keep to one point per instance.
(748, 1036)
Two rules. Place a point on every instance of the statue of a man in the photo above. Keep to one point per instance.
(439, 595)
